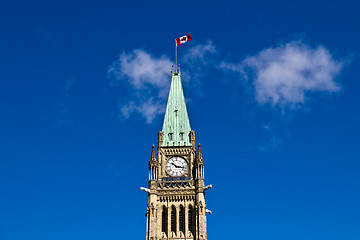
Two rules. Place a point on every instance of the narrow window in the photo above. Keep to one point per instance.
(191, 220)
(170, 136)
(181, 219)
(181, 135)
(164, 220)
(173, 219)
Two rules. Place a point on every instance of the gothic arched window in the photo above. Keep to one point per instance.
(173, 219)
(164, 220)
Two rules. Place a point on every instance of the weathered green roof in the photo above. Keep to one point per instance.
(176, 121)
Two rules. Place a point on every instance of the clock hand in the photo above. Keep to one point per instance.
(176, 165)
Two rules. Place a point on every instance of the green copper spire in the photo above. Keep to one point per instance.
(176, 126)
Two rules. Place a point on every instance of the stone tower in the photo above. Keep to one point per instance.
(176, 206)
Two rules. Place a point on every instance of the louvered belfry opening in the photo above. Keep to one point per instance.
(191, 219)
(173, 219)
(164, 220)
(182, 219)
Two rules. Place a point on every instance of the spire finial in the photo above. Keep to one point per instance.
(153, 156)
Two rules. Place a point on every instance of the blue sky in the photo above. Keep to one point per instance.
(272, 91)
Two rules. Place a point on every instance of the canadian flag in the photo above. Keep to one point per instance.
(183, 39)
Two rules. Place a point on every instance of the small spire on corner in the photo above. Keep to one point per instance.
(199, 157)
(153, 155)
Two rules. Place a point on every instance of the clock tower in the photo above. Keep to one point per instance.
(176, 195)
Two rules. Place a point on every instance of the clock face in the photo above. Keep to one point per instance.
(176, 166)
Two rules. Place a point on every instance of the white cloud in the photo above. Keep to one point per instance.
(195, 60)
(149, 78)
(142, 70)
(200, 53)
(285, 74)
(149, 109)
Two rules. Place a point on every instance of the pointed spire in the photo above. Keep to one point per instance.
(199, 156)
(153, 156)
(176, 125)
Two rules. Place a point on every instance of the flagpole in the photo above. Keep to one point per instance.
(175, 56)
